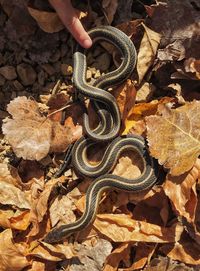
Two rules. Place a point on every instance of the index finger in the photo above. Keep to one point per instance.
(71, 21)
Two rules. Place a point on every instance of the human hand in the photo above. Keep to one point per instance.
(68, 16)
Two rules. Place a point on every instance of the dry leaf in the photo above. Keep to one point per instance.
(147, 51)
(30, 134)
(143, 254)
(186, 250)
(61, 210)
(193, 66)
(173, 136)
(117, 255)
(181, 191)
(5, 215)
(21, 221)
(11, 195)
(141, 110)
(125, 95)
(180, 31)
(47, 21)
(110, 7)
(12, 255)
(166, 264)
(122, 228)
(91, 257)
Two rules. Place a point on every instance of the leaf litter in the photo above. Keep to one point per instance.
(153, 230)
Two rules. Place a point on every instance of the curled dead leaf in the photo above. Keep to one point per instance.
(147, 51)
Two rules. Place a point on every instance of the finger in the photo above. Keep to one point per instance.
(69, 18)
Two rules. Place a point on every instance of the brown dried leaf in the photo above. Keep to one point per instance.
(141, 110)
(20, 222)
(180, 31)
(61, 210)
(147, 51)
(47, 21)
(91, 257)
(110, 7)
(4, 218)
(181, 191)
(125, 95)
(186, 251)
(11, 195)
(12, 255)
(30, 134)
(193, 66)
(117, 255)
(143, 254)
(127, 167)
(173, 136)
(165, 263)
(122, 228)
(49, 252)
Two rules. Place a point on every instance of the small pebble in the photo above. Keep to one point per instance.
(8, 72)
(26, 74)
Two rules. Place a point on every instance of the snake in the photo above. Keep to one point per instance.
(106, 181)
(97, 91)
(107, 130)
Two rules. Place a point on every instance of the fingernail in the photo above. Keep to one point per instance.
(87, 43)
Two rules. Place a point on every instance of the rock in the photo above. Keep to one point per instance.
(102, 62)
(48, 69)
(26, 74)
(66, 69)
(41, 78)
(55, 56)
(17, 85)
(63, 50)
(57, 66)
(8, 72)
(2, 80)
(2, 60)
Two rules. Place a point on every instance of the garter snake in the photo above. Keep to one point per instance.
(107, 181)
(105, 103)
(97, 92)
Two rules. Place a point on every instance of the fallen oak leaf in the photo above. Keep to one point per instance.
(30, 134)
(173, 136)
(122, 228)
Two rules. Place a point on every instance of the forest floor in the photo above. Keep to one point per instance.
(157, 229)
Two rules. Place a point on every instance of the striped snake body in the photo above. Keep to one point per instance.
(106, 131)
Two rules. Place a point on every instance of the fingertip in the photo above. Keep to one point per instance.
(87, 43)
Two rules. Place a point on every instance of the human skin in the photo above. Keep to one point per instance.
(69, 17)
